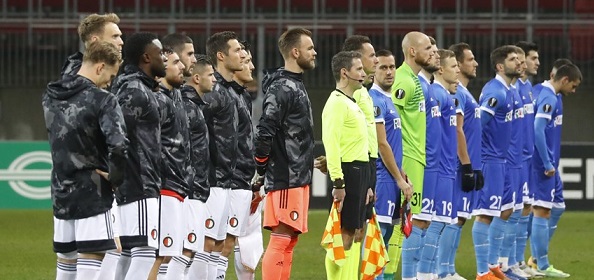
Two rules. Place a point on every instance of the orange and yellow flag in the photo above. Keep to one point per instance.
(375, 255)
(332, 237)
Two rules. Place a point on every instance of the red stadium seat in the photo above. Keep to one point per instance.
(582, 43)
(550, 6)
(515, 6)
(584, 7)
(442, 6)
(474, 6)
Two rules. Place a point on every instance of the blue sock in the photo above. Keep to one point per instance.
(521, 238)
(554, 220)
(509, 238)
(540, 239)
(444, 250)
(455, 245)
(480, 239)
(387, 231)
(410, 253)
(496, 233)
(430, 247)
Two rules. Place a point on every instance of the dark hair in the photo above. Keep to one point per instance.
(561, 62)
(571, 71)
(432, 40)
(499, 55)
(201, 61)
(246, 45)
(459, 49)
(219, 42)
(527, 46)
(102, 52)
(94, 24)
(135, 46)
(176, 41)
(343, 59)
(291, 39)
(355, 43)
(384, 52)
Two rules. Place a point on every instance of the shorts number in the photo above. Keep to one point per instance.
(496, 202)
(525, 190)
(465, 204)
(427, 205)
(415, 199)
(391, 208)
(447, 208)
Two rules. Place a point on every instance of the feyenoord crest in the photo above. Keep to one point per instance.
(209, 223)
(154, 234)
(400, 93)
(167, 241)
(233, 222)
(294, 215)
(192, 237)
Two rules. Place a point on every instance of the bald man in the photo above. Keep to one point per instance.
(408, 97)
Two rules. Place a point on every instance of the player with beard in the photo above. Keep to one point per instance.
(496, 116)
(88, 144)
(137, 197)
(183, 46)
(175, 150)
(200, 83)
(390, 180)
(284, 151)
(94, 28)
(221, 115)
(407, 95)
(469, 176)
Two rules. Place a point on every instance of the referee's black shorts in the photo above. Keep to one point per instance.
(372, 183)
(356, 180)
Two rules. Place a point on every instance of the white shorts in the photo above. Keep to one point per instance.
(172, 226)
(251, 244)
(217, 207)
(195, 216)
(139, 223)
(92, 234)
(239, 211)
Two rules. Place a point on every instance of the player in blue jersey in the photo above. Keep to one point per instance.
(545, 161)
(469, 174)
(389, 136)
(496, 117)
(446, 160)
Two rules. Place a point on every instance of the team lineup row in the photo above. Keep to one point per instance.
(494, 159)
(172, 141)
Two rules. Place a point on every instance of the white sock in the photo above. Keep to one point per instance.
(504, 263)
(187, 269)
(212, 265)
(222, 267)
(240, 270)
(87, 269)
(109, 262)
(199, 268)
(65, 271)
(162, 271)
(123, 265)
(141, 263)
(177, 266)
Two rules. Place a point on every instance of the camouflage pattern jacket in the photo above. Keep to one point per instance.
(137, 98)
(86, 131)
(285, 131)
(198, 144)
(175, 142)
(72, 65)
(246, 166)
(220, 113)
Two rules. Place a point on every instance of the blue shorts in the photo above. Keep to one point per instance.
(544, 188)
(488, 199)
(462, 201)
(388, 201)
(428, 202)
(512, 192)
(444, 211)
(558, 201)
(527, 191)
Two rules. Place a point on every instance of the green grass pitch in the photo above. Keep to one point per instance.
(26, 247)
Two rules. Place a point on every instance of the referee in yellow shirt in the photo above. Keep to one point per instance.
(344, 134)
